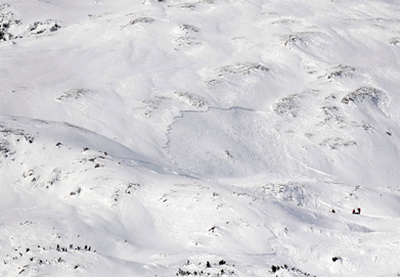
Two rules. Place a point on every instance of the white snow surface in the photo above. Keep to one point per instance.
(199, 138)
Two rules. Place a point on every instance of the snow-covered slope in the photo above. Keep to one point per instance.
(199, 138)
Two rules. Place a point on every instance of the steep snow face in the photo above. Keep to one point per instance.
(204, 137)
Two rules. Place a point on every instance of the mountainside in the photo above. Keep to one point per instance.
(199, 138)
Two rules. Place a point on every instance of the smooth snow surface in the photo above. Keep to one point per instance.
(199, 138)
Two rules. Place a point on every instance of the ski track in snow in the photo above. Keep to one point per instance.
(199, 138)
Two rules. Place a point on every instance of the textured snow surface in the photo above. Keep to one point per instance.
(199, 138)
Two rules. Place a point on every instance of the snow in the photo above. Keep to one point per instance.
(199, 138)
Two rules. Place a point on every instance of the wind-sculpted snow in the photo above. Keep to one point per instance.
(199, 138)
